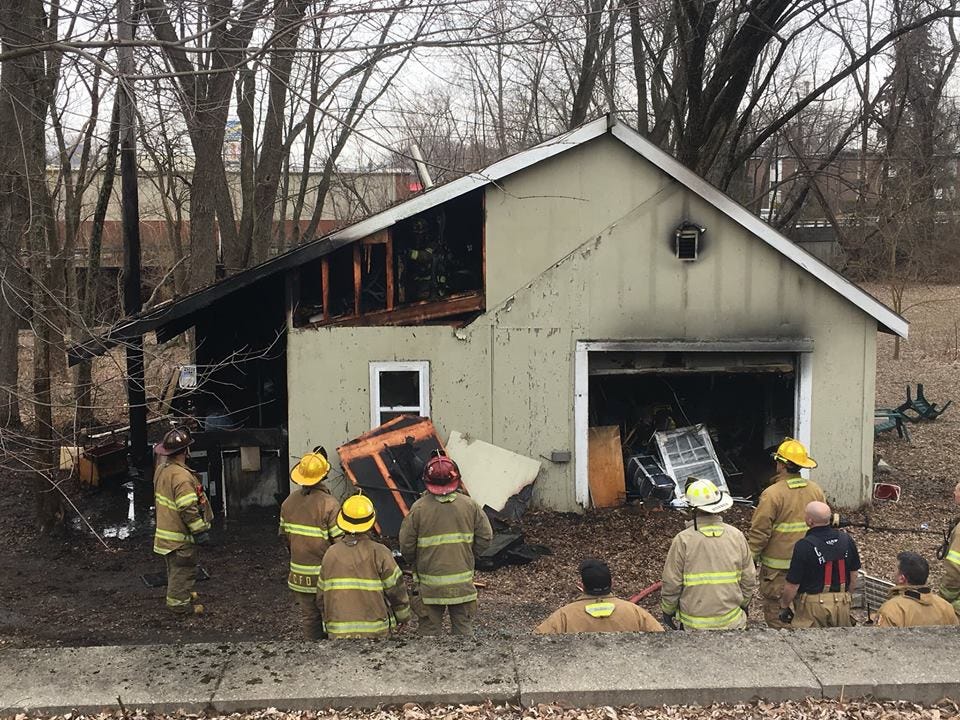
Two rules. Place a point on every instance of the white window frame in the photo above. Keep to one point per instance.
(420, 366)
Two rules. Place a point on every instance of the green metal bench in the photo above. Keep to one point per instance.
(886, 419)
(919, 408)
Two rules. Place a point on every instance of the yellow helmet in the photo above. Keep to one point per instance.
(312, 468)
(357, 514)
(793, 451)
(706, 496)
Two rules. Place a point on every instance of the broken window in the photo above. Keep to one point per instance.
(688, 453)
(398, 388)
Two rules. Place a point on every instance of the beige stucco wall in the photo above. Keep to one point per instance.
(579, 248)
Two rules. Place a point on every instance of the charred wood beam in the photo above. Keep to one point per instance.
(413, 314)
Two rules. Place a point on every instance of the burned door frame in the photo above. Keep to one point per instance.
(800, 348)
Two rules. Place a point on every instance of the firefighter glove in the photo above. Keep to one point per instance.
(670, 621)
(201, 538)
(786, 615)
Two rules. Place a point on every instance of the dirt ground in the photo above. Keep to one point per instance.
(813, 709)
(87, 590)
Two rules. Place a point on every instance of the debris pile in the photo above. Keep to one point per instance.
(387, 463)
(656, 475)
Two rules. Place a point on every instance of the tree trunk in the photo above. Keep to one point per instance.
(289, 14)
(83, 395)
(203, 209)
(21, 110)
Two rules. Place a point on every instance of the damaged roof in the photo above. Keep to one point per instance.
(174, 317)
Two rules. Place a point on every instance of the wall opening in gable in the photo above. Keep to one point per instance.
(439, 253)
(425, 268)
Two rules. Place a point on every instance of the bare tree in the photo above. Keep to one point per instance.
(205, 75)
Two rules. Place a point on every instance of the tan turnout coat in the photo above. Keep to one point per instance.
(597, 614)
(915, 606)
(778, 521)
(709, 576)
(441, 537)
(361, 593)
(950, 581)
(182, 508)
(308, 519)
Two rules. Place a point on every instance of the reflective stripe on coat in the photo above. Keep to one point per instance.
(308, 519)
(182, 508)
(708, 576)
(360, 592)
(950, 580)
(778, 521)
(440, 538)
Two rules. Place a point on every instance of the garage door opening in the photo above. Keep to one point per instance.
(747, 400)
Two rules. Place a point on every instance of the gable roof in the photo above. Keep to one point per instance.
(177, 314)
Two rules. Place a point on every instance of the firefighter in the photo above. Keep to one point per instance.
(183, 521)
(778, 522)
(709, 576)
(911, 602)
(950, 554)
(360, 591)
(822, 572)
(308, 521)
(441, 537)
(597, 609)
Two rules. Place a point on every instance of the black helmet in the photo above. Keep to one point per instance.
(174, 442)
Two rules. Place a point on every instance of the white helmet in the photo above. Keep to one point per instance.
(705, 496)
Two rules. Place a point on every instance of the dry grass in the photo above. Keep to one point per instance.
(924, 468)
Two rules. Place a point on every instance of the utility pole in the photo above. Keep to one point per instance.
(130, 205)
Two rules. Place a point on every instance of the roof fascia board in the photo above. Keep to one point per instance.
(887, 318)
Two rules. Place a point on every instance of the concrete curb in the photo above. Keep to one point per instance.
(918, 665)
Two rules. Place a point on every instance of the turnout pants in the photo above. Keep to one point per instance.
(430, 617)
(181, 577)
(771, 587)
(830, 609)
(310, 619)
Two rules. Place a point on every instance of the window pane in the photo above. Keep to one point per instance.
(386, 415)
(400, 388)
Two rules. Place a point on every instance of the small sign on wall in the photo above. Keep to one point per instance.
(188, 377)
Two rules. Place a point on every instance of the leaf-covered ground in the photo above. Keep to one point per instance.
(78, 592)
(806, 710)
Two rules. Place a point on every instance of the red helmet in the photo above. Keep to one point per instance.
(441, 475)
